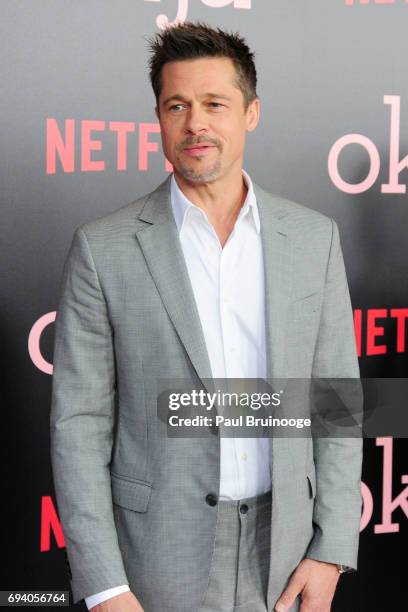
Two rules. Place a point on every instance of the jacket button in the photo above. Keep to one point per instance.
(211, 499)
(243, 509)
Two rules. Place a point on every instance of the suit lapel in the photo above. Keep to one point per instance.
(277, 255)
(158, 238)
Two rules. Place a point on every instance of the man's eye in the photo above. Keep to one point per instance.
(174, 106)
(217, 103)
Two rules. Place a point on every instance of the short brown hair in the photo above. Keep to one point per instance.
(189, 40)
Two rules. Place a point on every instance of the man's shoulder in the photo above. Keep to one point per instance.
(122, 220)
(301, 221)
(125, 219)
(291, 211)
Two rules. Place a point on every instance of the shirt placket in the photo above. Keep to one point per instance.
(230, 335)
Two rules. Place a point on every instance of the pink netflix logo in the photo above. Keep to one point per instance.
(61, 144)
(369, 330)
(162, 21)
(395, 164)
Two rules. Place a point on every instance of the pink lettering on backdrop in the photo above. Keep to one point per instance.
(65, 147)
(146, 146)
(401, 314)
(389, 504)
(34, 339)
(396, 330)
(162, 21)
(122, 129)
(395, 164)
(374, 330)
(334, 154)
(89, 145)
(50, 523)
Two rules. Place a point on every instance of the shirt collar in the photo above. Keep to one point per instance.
(180, 204)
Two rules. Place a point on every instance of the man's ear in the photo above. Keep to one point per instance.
(253, 113)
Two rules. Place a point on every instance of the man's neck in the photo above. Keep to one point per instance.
(221, 200)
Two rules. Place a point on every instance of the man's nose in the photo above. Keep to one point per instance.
(196, 119)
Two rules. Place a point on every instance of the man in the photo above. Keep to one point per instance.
(206, 277)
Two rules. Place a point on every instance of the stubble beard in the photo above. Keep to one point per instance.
(200, 176)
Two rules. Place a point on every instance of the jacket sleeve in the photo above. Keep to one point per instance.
(82, 425)
(338, 460)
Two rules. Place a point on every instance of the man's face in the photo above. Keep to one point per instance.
(201, 104)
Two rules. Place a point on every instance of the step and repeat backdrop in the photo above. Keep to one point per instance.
(80, 138)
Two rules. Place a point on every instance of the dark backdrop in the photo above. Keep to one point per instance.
(332, 136)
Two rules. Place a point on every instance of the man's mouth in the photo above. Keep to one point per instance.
(199, 149)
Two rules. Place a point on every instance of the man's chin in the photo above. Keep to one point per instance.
(199, 176)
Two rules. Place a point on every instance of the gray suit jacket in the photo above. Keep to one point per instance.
(132, 501)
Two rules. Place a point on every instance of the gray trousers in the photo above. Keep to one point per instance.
(239, 570)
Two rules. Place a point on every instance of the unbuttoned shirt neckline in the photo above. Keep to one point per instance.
(183, 208)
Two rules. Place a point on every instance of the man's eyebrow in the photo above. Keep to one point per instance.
(174, 97)
(206, 95)
(216, 95)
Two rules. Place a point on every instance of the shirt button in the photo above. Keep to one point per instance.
(244, 456)
(232, 349)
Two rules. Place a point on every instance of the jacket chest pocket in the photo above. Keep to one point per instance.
(306, 306)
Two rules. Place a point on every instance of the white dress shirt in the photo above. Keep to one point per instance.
(228, 287)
